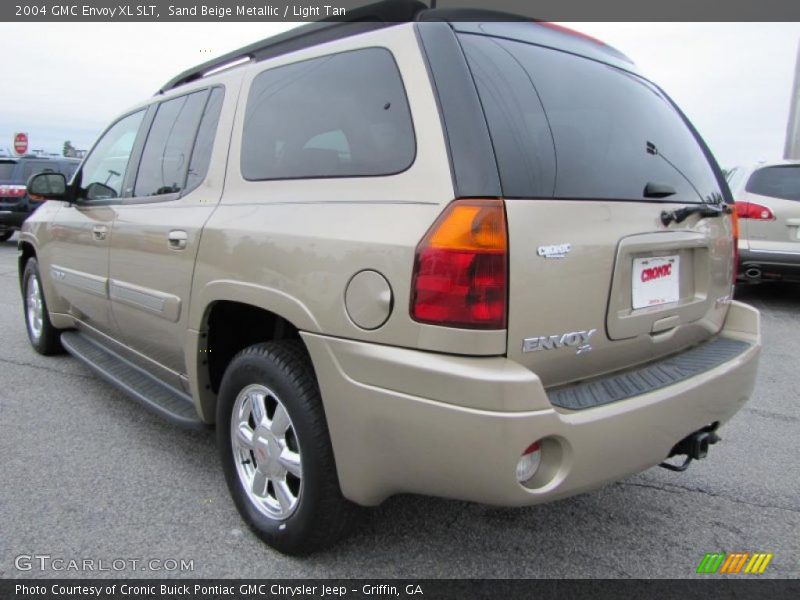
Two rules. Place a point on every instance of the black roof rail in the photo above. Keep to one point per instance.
(367, 18)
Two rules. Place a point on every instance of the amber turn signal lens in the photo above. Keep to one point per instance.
(461, 267)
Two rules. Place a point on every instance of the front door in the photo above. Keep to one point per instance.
(78, 254)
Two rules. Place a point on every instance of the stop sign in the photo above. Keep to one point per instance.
(20, 143)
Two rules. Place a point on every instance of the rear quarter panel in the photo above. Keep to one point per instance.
(292, 246)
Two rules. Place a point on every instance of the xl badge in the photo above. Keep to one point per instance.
(574, 339)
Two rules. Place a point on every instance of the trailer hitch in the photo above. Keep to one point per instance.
(694, 447)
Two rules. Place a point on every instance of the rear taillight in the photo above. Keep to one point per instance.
(735, 228)
(751, 210)
(461, 267)
(12, 191)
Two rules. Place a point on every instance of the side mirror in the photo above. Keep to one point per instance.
(47, 186)
(99, 191)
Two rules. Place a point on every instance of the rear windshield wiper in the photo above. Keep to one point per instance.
(679, 215)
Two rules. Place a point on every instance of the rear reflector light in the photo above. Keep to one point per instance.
(461, 267)
(12, 191)
(529, 462)
(751, 210)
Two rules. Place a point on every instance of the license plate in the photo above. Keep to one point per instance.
(656, 281)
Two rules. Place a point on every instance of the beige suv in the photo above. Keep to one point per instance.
(477, 260)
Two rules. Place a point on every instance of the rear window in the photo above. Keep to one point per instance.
(32, 167)
(777, 182)
(564, 126)
(7, 169)
(343, 115)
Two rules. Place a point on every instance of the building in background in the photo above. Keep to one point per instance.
(792, 147)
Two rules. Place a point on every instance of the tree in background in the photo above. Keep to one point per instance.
(69, 150)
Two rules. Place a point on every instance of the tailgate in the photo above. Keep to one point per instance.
(575, 314)
(589, 154)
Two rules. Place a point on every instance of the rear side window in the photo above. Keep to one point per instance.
(344, 115)
(778, 182)
(201, 155)
(564, 126)
(167, 151)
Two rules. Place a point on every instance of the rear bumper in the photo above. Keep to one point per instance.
(11, 218)
(389, 436)
(769, 265)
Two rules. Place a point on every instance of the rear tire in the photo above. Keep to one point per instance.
(5, 235)
(44, 338)
(276, 451)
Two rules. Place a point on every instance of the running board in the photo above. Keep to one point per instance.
(162, 399)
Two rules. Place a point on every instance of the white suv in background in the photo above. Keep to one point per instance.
(768, 204)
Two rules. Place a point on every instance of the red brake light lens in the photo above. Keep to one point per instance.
(12, 191)
(751, 210)
(461, 267)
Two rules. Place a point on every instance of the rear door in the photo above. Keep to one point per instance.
(157, 231)
(589, 155)
(778, 188)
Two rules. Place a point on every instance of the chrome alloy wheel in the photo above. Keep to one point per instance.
(266, 452)
(34, 307)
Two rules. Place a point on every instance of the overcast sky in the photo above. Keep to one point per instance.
(67, 81)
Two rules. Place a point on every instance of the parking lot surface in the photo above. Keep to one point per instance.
(87, 473)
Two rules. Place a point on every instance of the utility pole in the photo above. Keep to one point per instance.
(792, 147)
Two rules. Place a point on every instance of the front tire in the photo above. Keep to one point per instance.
(276, 452)
(44, 338)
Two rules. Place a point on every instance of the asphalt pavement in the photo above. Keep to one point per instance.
(86, 473)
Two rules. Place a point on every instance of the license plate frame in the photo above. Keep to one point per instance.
(655, 281)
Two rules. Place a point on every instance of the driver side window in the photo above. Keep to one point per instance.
(104, 170)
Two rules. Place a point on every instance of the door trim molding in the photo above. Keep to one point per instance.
(167, 306)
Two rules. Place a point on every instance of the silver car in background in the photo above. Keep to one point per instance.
(768, 204)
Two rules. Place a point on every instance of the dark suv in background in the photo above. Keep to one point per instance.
(15, 204)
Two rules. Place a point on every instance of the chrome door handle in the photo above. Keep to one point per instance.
(99, 232)
(177, 239)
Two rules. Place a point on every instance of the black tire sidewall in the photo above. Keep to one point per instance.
(48, 342)
(287, 535)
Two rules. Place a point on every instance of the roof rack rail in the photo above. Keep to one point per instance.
(367, 18)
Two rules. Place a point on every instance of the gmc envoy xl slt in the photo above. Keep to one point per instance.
(474, 258)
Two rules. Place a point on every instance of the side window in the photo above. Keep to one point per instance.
(201, 155)
(344, 115)
(166, 154)
(104, 170)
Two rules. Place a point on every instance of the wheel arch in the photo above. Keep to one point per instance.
(225, 326)
(26, 252)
